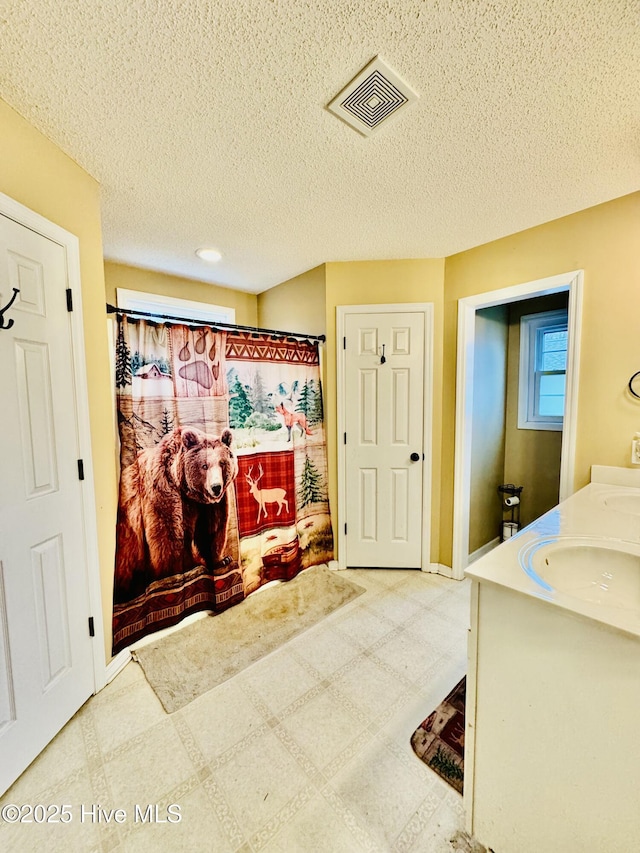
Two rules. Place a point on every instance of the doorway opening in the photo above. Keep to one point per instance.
(476, 316)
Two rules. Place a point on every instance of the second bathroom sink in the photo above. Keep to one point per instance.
(599, 571)
(623, 502)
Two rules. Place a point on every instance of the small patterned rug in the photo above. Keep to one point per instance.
(439, 740)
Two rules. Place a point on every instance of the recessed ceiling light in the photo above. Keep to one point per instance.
(210, 255)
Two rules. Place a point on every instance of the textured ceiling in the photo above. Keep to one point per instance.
(205, 122)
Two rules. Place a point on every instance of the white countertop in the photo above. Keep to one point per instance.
(584, 515)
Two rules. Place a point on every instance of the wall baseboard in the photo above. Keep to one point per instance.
(116, 665)
(484, 549)
(441, 569)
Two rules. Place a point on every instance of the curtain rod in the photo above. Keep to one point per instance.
(175, 321)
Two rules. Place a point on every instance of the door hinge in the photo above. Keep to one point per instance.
(344, 343)
(69, 299)
(345, 529)
(92, 629)
(345, 438)
(80, 469)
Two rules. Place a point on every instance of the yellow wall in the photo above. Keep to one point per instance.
(603, 241)
(36, 173)
(296, 305)
(373, 283)
(149, 281)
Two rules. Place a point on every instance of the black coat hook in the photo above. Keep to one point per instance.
(382, 358)
(9, 323)
(633, 384)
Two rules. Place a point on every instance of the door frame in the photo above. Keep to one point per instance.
(571, 282)
(342, 311)
(71, 245)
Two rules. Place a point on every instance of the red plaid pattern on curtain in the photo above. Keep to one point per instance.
(271, 500)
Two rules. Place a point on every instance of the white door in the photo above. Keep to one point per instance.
(384, 438)
(46, 663)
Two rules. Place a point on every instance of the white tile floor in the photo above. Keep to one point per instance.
(306, 750)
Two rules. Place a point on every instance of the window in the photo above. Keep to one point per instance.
(179, 309)
(543, 369)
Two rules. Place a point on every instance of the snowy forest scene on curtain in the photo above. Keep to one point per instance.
(223, 470)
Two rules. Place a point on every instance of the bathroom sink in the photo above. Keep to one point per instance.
(599, 571)
(623, 502)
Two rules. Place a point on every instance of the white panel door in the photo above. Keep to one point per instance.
(46, 664)
(384, 420)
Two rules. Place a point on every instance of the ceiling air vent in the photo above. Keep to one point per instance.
(369, 101)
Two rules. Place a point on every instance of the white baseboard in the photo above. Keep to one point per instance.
(441, 569)
(334, 565)
(116, 665)
(484, 549)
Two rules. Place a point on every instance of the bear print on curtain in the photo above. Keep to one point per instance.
(223, 483)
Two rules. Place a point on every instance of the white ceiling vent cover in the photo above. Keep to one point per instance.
(369, 101)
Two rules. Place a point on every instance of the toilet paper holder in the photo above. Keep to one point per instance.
(511, 503)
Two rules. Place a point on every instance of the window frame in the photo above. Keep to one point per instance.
(532, 326)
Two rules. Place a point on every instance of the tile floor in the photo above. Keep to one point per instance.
(306, 750)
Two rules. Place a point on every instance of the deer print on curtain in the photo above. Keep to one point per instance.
(223, 483)
(266, 496)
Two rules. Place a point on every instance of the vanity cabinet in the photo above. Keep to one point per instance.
(552, 743)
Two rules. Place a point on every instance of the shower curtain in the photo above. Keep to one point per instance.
(223, 470)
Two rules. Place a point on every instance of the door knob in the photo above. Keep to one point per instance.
(415, 457)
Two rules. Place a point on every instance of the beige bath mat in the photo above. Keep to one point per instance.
(183, 665)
